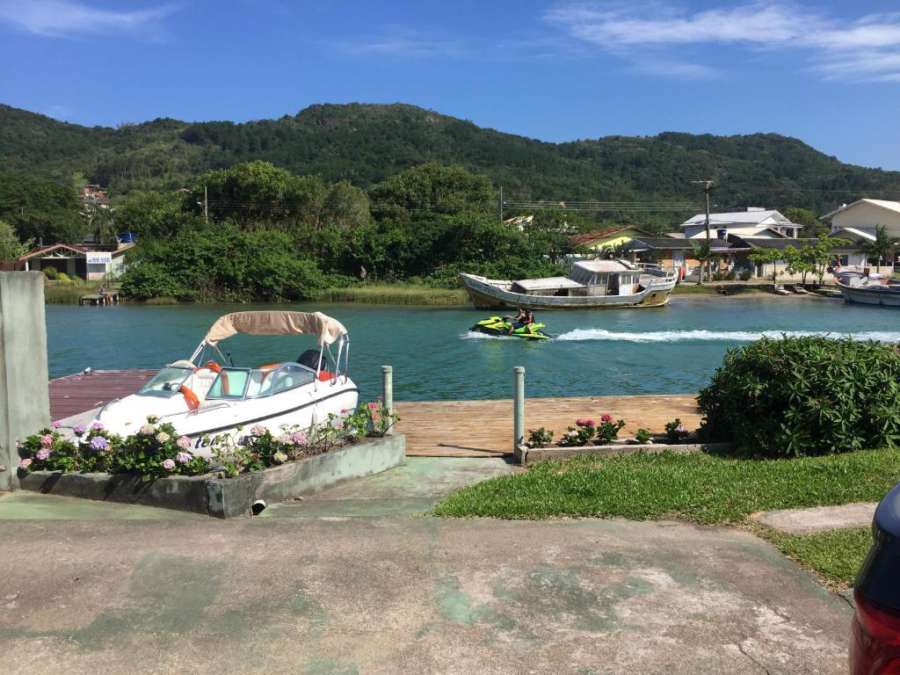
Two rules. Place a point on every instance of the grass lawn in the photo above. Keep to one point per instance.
(836, 555)
(395, 294)
(700, 488)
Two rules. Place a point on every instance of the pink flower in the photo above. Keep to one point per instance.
(373, 406)
(258, 431)
(285, 439)
(46, 440)
(184, 443)
(42, 454)
(183, 457)
(168, 465)
(585, 422)
(298, 438)
(25, 463)
(97, 426)
(79, 429)
(55, 424)
(606, 418)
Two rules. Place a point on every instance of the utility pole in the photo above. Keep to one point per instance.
(206, 206)
(707, 188)
(500, 205)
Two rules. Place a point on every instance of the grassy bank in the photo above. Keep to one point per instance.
(394, 294)
(836, 555)
(699, 488)
(58, 293)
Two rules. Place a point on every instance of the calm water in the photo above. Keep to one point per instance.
(669, 350)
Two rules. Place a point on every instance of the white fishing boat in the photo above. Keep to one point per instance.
(873, 289)
(206, 395)
(592, 284)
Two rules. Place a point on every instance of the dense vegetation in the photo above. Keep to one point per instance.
(805, 396)
(366, 144)
(273, 235)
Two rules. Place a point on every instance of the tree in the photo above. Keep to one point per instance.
(152, 215)
(882, 248)
(702, 252)
(432, 188)
(40, 209)
(346, 207)
(766, 256)
(10, 246)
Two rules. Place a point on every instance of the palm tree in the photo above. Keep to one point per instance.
(883, 247)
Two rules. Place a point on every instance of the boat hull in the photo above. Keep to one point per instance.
(488, 294)
(301, 408)
(879, 296)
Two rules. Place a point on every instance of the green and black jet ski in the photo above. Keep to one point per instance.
(503, 326)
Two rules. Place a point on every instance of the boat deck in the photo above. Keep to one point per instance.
(432, 428)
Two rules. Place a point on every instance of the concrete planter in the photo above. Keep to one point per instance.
(532, 455)
(228, 497)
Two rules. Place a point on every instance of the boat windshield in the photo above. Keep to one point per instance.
(166, 382)
(239, 383)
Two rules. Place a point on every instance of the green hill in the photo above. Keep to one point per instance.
(367, 143)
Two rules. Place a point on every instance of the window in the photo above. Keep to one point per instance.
(229, 384)
(166, 382)
(287, 377)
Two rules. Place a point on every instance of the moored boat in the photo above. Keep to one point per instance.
(592, 284)
(206, 395)
(869, 290)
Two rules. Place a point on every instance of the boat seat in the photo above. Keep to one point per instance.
(309, 358)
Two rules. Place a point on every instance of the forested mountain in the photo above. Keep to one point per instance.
(367, 143)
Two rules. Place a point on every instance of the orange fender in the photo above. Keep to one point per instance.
(190, 398)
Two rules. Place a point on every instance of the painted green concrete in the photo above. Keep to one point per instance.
(23, 505)
(24, 389)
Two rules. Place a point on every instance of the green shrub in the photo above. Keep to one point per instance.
(147, 279)
(64, 278)
(805, 396)
(50, 272)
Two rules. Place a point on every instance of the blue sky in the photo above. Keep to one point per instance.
(827, 73)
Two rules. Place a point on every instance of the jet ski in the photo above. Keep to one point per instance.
(502, 326)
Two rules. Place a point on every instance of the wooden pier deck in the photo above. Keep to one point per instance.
(432, 428)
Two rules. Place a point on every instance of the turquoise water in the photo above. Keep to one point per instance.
(668, 350)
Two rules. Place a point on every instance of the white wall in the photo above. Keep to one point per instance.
(866, 216)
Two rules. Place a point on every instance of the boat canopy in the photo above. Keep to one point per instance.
(326, 329)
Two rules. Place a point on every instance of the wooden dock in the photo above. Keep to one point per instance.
(100, 299)
(432, 428)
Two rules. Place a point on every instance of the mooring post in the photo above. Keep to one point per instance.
(24, 387)
(518, 408)
(387, 389)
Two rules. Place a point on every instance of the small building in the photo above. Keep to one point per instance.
(755, 222)
(677, 254)
(609, 238)
(744, 247)
(77, 260)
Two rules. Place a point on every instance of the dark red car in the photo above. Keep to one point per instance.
(875, 643)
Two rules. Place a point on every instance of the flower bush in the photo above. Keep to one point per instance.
(580, 434)
(539, 438)
(608, 431)
(676, 432)
(157, 451)
(643, 436)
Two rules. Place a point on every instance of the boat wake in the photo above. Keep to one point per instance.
(600, 334)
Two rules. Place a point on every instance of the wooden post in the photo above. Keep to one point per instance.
(518, 407)
(387, 388)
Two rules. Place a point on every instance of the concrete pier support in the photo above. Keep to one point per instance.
(24, 393)
(518, 407)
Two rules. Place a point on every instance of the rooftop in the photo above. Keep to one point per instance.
(881, 203)
(672, 244)
(750, 217)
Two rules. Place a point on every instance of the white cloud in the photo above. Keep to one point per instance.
(68, 18)
(402, 46)
(866, 47)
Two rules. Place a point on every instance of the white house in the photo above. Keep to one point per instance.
(754, 223)
(857, 222)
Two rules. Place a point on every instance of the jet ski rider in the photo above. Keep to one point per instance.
(524, 317)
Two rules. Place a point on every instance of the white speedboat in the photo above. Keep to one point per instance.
(206, 396)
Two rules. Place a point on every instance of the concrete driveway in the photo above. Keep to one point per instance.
(396, 592)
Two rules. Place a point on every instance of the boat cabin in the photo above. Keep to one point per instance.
(587, 278)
